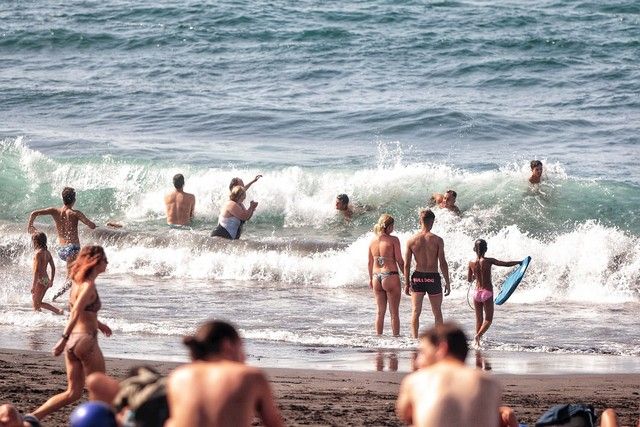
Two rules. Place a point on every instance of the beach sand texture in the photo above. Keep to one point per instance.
(337, 398)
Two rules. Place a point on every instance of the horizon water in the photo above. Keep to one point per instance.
(387, 103)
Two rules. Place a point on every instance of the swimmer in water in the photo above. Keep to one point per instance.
(536, 172)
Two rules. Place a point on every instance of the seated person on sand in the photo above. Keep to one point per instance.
(444, 392)
(446, 201)
(233, 215)
(180, 205)
(536, 172)
(238, 181)
(217, 388)
(10, 417)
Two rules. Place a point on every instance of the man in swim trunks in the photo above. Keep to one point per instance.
(66, 219)
(428, 251)
(180, 205)
(446, 201)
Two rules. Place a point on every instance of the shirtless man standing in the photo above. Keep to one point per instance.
(66, 219)
(444, 392)
(217, 388)
(428, 251)
(180, 205)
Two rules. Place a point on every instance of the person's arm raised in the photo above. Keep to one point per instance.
(86, 221)
(246, 187)
(32, 217)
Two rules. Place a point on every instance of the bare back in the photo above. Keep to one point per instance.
(450, 395)
(427, 249)
(221, 393)
(180, 207)
(66, 220)
(386, 253)
(480, 270)
(41, 260)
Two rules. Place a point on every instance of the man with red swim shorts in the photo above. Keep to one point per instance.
(428, 251)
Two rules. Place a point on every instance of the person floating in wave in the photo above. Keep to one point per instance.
(446, 201)
(480, 271)
(385, 260)
(41, 279)
(536, 172)
(428, 251)
(233, 215)
(66, 219)
(180, 205)
(347, 209)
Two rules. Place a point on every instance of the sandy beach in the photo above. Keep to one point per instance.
(310, 397)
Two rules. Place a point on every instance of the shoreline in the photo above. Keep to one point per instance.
(334, 397)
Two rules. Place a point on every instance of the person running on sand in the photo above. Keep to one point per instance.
(80, 337)
(217, 388)
(385, 260)
(41, 280)
(480, 271)
(180, 205)
(444, 392)
(233, 215)
(238, 181)
(446, 201)
(428, 251)
(536, 172)
(66, 219)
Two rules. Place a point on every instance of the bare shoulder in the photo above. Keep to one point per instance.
(190, 196)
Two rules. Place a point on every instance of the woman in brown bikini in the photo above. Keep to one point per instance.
(385, 257)
(79, 339)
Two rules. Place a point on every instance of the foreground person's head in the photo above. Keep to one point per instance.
(342, 202)
(234, 182)
(480, 247)
(238, 194)
(215, 339)
(178, 181)
(445, 341)
(449, 198)
(91, 261)
(427, 217)
(68, 196)
(9, 416)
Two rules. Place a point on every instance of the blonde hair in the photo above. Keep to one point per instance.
(237, 192)
(383, 223)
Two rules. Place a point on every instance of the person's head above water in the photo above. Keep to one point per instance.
(427, 217)
(68, 196)
(235, 182)
(536, 171)
(178, 181)
(480, 247)
(449, 197)
(237, 193)
(213, 339)
(342, 202)
(384, 224)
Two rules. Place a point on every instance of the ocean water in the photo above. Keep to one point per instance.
(385, 102)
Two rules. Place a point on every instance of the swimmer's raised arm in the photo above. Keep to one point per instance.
(246, 187)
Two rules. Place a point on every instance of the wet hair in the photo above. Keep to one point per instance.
(426, 216)
(535, 164)
(39, 240)
(453, 193)
(234, 182)
(383, 223)
(208, 339)
(68, 196)
(343, 198)
(178, 181)
(480, 247)
(237, 192)
(450, 333)
(88, 258)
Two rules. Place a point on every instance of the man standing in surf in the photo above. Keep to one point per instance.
(428, 251)
(66, 219)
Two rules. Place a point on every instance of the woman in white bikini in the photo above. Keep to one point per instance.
(480, 271)
(80, 337)
(385, 261)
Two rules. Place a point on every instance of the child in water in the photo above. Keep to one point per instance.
(41, 279)
(480, 271)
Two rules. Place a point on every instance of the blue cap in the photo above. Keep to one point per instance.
(93, 414)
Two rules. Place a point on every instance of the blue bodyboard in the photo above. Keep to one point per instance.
(512, 282)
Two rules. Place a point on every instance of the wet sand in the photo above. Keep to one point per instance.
(309, 397)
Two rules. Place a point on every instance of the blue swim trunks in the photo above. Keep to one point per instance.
(68, 251)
